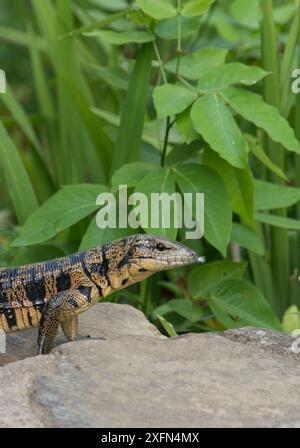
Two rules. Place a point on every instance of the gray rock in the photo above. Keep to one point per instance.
(196, 380)
(271, 341)
(102, 321)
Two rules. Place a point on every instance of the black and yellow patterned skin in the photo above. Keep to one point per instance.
(55, 292)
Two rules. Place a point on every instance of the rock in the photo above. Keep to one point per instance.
(17, 393)
(271, 341)
(6, 359)
(195, 380)
(102, 321)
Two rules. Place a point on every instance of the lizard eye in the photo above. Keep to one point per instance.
(161, 247)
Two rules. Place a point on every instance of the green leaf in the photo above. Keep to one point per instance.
(193, 178)
(95, 236)
(185, 308)
(19, 115)
(167, 326)
(18, 183)
(214, 121)
(196, 7)
(244, 303)
(158, 9)
(115, 77)
(100, 154)
(269, 196)
(159, 181)
(284, 13)
(45, 17)
(168, 29)
(223, 317)
(194, 65)
(239, 184)
(36, 254)
(247, 13)
(34, 160)
(153, 131)
(40, 80)
(112, 5)
(182, 153)
(208, 276)
(121, 38)
(16, 37)
(248, 238)
(291, 319)
(258, 151)
(229, 74)
(65, 208)
(100, 23)
(73, 101)
(131, 173)
(172, 287)
(278, 221)
(253, 108)
(185, 125)
(170, 99)
(228, 30)
(129, 137)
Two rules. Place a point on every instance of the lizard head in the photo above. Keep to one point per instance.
(148, 254)
(135, 258)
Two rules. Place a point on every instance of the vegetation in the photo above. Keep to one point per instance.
(161, 95)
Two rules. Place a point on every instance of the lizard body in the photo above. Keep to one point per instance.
(54, 292)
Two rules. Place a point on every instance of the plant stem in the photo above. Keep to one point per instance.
(156, 50)
(165, 80)
(166, 139)
(297, 158)
(179, 49)
(179, 53)
(280, 260)
(160, 63)
(188, 85)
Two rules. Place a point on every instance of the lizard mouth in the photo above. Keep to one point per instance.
(170, 261)
(180, 259)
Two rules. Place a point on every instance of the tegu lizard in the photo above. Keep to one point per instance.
(54, 292)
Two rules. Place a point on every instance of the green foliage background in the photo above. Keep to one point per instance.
(161, 95)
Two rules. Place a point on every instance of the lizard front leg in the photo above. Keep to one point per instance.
(61, 308)
(70, 328)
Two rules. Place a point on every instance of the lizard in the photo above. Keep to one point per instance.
(55, 292)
